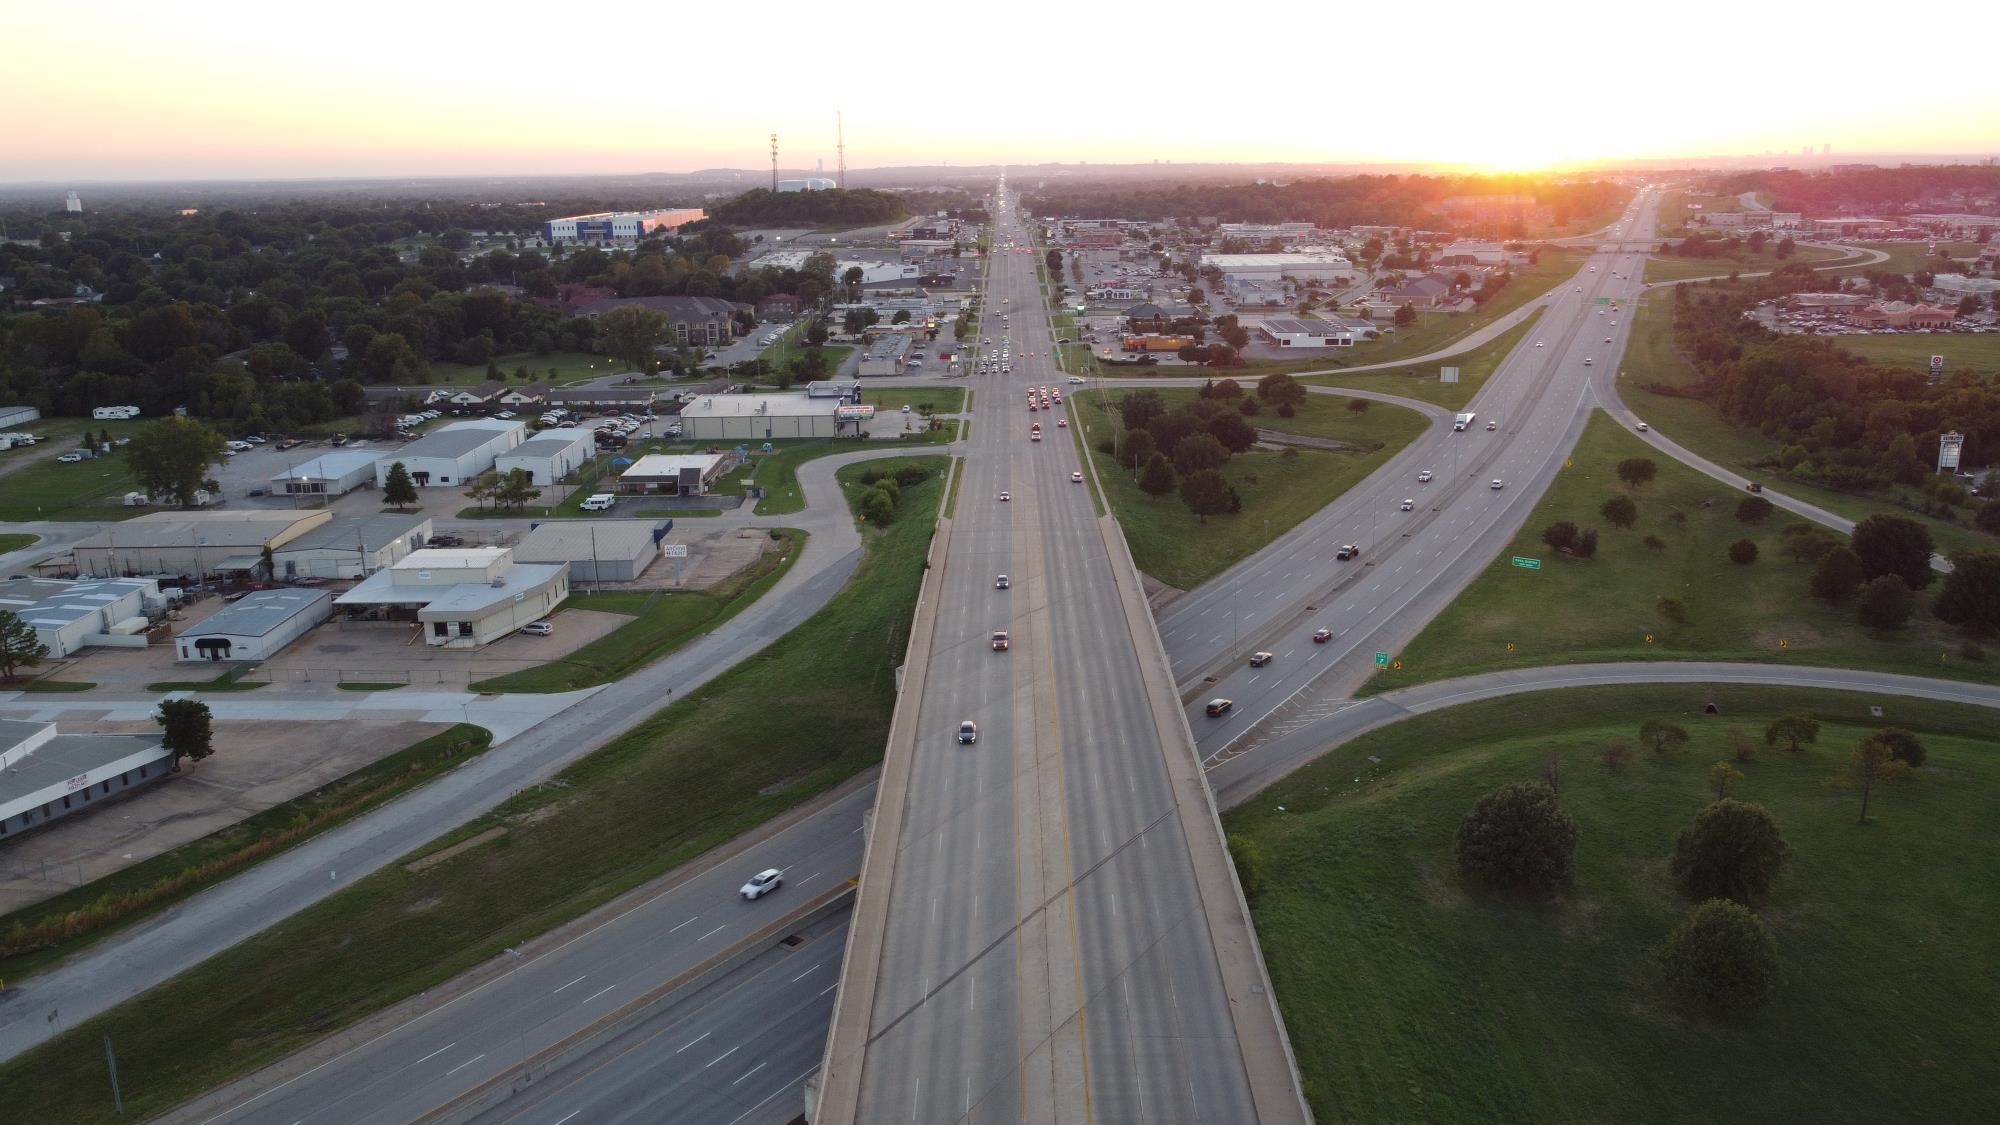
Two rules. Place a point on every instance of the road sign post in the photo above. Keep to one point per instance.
(1382, 659)
(1527, 564)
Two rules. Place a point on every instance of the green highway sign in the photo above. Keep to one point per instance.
(1382, 658)
(1602, 301)
(1527, 564)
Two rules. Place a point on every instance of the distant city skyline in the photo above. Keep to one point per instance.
(239, 91)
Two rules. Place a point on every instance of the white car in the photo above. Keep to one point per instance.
(1539, 344)
(1006, 496)
(1076, 380)
(538, 628)
(1408, 505)
(70, 458)
(1424, 477)
(1496, 485)
(1642, 427)
(763, 883)
(1076, 478)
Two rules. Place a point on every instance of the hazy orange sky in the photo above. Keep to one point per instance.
(124, 90)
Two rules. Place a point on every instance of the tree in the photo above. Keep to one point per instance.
(1197, 452)
(1137, 409)
(1635, 471)
(171, 456)
(1743, 552)
(877, 507)
(1619, 511)
(1836, 576)
(481, 490)
(1235, 434)
(1903, 746)
(1722, 775)
(1753, 509)
(1560, 535)
(1136, 448)
(1987, 518)
(1053, 259)
(1970, 598)
(1872, 763)
(1615, 753)
(630, 333)
(1733, 849)
(515, 489)
(1662, 735)
(1158, 477)
(188, 731)
(1518, 839)
(1586, 544)
(1795, 731)
(1281, 390)
(1720, 961)
(397, 488)
(1891, 544)
(1206, 493)
(1885, 603)
(20, 647)
(1405, 316)
(1225, 389)
(1741, 746)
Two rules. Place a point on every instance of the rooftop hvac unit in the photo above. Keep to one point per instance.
(498, 583)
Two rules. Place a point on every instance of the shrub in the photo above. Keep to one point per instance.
(1586, 544)
(1837, 575)
(1619, 511)
(1795, 731)
(1662, 735)
(1518, 838)
(1970, 598)
(1741, 746)
(1560, 535)
(1673, 609)
(1903, 746)
(1249, 860)
(1248, 407)
(1753, 509)
(1654, 543)
(1720, 961)
(1733, 850)
(1635, 471)
(1357, 405)
(1615, 753)
(1886, 603)
(1743, 552)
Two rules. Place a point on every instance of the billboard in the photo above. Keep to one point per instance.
(1950, 446)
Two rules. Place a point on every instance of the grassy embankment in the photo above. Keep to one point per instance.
(674, 787)
(1278, 489)
(1608, 607)
(1410, 997)
(1650, 359)
(1422, 383)
(662, 621)
(1743, 261)
(34, 937)
(17, 541)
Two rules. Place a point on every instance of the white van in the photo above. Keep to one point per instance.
(597, 502)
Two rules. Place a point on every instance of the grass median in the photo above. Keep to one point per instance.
(231, 680)
(1682, 599)
(17, 541)
(1423, 384)
(662, 621)
(1409, 996)
(1278, 488)
(677, 785)
(34, 937)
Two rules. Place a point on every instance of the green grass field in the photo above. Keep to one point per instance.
(1961, 351)
(1650, 359)
(1678, 269)
(12, 541)
(60, 435)
(891, 400)
(674, 787)
(1278, 489)
(1422, 383)
(37, 936)
(1410, 997)
(555, 368)
(88, 490)
(662, 621)
(1909, 257)
(1605, 608)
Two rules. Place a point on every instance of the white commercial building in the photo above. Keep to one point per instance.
(763, 418)
(452, 455)
(1301, 266)
(329, 474)
(192, 543)
(674, 474)
(459, 597)
(1287, 333)
(618, 226)
(255, 627)
(67, 616)
(45, 776)
(350, 548)
(550, 455)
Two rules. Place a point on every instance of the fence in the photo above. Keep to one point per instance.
(414, 676)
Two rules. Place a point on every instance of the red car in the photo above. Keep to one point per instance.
(1322, 636)
(1062, 423)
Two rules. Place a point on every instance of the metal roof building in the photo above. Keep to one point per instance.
(329, 474)
(673, 474)
(190, 542)
(461, 597)
(254, 627)
(550, 455)
(45, 776)
(596, 550)
(763, 417)
(67, 616)
(453, 455)
(351, 547)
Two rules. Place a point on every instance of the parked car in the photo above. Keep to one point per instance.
(763, 883)
(538, 628)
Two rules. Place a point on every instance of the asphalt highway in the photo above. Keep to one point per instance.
(1411, 563)
(1046, 954)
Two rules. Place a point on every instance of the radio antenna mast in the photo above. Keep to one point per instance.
(840, 148)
